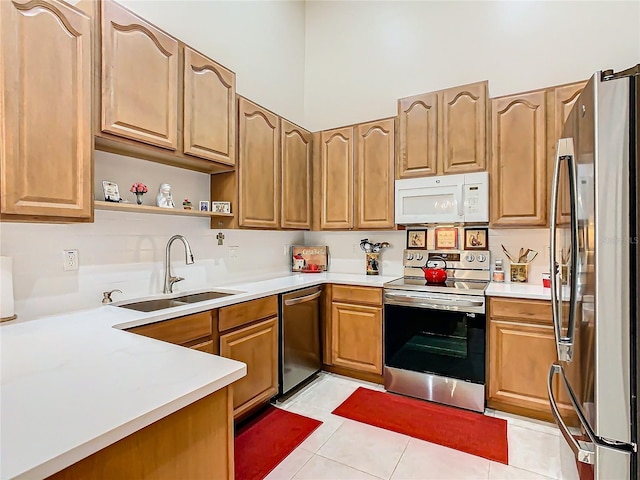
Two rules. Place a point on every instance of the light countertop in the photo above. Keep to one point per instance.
(73, 384)
(522, 290)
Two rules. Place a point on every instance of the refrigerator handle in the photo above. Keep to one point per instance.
(583, 451)
(573, 275)
(564, 345)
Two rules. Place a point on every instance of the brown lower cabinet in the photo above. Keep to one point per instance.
(521, 349)
(249, 334)
(194, 442)
(354, 328)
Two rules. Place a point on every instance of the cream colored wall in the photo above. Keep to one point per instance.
(362, 56)
(262, 41)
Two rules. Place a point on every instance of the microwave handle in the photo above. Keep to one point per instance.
(461, 201)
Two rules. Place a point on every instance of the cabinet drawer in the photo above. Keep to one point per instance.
(207, 347)
(247, 312)
(520, 310)
(353, 294)
(179, 330)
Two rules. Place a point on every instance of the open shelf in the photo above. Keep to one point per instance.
(133, 207)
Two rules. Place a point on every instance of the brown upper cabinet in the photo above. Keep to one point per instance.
(336, 179)
(356, 177)
(443, 132)
(139, 79)
(45, 112)
(525, 130)
(160, 99)
(259, 166)
(374, 174)
(209, 109)
(296, 176)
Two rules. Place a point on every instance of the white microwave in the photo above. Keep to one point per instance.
(444, 199)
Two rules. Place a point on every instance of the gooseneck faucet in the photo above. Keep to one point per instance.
(169, 279)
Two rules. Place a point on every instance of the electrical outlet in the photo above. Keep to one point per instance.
(233, 252)
(286, 250)
(70, 260)
(354, 249)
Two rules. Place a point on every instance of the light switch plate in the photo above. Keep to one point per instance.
(233, 252)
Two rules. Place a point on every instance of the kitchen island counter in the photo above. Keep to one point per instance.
(73, 384)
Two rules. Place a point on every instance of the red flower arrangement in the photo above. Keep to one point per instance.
(138, 187)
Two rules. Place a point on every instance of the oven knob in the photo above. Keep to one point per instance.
(419, 256)
(470, 257)
(482, 258)
(409, 256)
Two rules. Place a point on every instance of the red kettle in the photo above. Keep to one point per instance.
(435, 274)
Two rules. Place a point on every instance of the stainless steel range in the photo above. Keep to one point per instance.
(434, 334)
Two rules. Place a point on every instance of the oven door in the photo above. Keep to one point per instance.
(436, 336)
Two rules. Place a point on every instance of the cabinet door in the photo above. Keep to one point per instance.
(45, 110)
(296, 177)
(520, 356)
(374, 178)
(257, 346)
(209, 109)
(356, 337)
(564, 98)
(259, 166)
(417, 136)
(139, 78)
(336, 179)
(463, 128)
(519, 163)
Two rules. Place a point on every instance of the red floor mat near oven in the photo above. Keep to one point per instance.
(451, 427)
(262, 443)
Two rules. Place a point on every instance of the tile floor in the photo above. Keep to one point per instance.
(342, 449)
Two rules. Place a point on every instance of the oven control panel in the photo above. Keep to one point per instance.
(455, 259)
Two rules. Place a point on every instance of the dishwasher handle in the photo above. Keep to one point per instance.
(306, 298)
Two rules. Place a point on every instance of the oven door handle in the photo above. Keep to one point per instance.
(432, 302)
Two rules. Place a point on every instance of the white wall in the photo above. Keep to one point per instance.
(362, 56)
(261, 41)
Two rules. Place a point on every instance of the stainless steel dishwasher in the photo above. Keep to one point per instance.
(300, 348)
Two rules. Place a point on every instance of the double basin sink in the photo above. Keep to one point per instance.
(162, 303)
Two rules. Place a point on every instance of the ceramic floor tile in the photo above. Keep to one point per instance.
(286, 402)
(330, 423)
(530, 423)
(320, 468)
(427, 461)
(370, 449)
(290, 465)
(534, 451)
(498, 471)
(327, 394)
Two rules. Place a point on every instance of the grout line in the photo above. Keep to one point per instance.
(301, 466)
(400, 458)
(350, 466)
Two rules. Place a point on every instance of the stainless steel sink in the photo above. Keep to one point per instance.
(153, 305)
(202, 297)
(162, 303)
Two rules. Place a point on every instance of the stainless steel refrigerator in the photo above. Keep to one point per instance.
(594, 251)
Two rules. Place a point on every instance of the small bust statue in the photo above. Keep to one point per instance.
(164, 198)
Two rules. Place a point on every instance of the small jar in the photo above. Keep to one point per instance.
(498, 272)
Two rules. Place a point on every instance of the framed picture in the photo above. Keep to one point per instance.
(221, 207)
(204, 206)
(476, 239)
(446, 238)
(111, 192)
(417, 238)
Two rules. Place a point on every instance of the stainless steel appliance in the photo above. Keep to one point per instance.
(595, 223)
(434, 334)
(300, 348)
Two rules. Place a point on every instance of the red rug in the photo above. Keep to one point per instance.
(263, 442)
(451, 427)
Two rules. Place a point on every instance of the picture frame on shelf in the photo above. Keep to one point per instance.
(111, 192)
(446, 238)
(221, 207)
(476, 238)
(204, 206)
(417, 239)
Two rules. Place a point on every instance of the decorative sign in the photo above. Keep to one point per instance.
(111, 192)
(446, 238)
(309, 259)
(221, 207)
(476, 239)
(417, 238)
